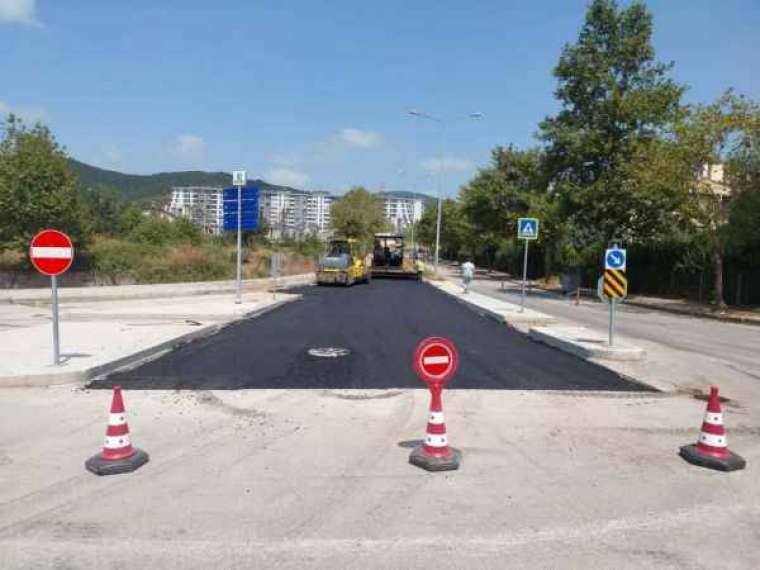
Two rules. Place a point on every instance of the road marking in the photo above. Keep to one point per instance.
(52, 252)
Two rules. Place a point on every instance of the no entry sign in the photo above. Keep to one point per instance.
(435, 360)
(51, 252)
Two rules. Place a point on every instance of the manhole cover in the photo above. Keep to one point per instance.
(329, 352)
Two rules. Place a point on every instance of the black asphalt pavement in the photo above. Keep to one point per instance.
(379, 324)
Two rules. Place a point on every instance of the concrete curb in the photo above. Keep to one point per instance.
(584, 343)
(150, 291)
(130, 361)
(530, 317)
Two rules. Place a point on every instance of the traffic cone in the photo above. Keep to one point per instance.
(435, 454)
(711, 450)
(118, 455)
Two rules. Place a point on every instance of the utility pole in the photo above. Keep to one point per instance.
(441, 140)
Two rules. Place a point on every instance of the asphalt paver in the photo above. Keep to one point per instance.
(363, 337)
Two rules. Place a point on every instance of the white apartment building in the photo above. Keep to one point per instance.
(286, 212)
(296, 212)
(402, 211)
(318, 211)
(202, 205)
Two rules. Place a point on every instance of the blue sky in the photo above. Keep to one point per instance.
(316, 94)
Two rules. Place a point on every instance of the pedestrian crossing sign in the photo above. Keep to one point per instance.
(527, 228)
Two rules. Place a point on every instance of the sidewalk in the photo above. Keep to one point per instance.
(151, 291)
(745, 315)
(99, 337)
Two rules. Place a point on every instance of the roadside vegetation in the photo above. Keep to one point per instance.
(358, 214)
(116, 242)
(621, 161)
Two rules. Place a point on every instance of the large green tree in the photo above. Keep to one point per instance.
(358, 214)
(719, 143)
(37, 188)
(618, 104)
(513, 185)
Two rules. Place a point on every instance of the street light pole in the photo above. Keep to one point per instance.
(442, 126)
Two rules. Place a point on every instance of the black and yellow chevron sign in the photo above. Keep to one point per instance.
(615, 283)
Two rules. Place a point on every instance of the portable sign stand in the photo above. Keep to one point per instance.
(615, 283)
(527, 229)
(239, 180)
(52, 253)
(435, 361)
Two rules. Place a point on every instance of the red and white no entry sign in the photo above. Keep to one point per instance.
(436, 360)
(51, 252)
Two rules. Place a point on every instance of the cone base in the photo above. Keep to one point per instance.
(96, 464)
(421, 459)
(731, 463)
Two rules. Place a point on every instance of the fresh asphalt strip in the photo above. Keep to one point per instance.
(375, 328)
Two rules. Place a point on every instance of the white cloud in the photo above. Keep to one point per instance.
(364, 139)
(447, 164)
(29, 115)
(287, 177)
(189, 149)
(19, 12)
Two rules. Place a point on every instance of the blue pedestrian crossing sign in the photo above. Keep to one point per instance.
(527, 228)
(614, 258)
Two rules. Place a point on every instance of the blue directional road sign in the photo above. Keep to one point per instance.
(249, 214)
(614, 258)
(527, 228)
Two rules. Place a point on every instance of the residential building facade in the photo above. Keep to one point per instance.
(402, 211)
(202, 205)
(287, 212)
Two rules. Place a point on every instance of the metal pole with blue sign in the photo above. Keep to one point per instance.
(240, 213)
(614, 284)
(527, 229)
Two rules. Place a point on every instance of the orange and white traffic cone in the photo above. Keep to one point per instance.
(118, 455)
(435, 454)
(711, 450)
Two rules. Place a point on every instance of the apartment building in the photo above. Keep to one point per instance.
(287, 212)
(402, 210)
(202, 205)
(296, 212)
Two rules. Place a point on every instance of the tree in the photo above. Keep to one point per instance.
(37, 187)
(457, 236)
(720, 142)
(617, 105)
(358, 214)
(513, 185)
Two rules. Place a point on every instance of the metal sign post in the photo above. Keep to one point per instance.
(527, 229)
(525, 277)
(239, 180)
(56, 338)
(239, 297)
(52, 253)
(275, 272)
(614, 283)
(613, 302)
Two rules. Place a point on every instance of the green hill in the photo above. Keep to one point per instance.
(151, 187)
(157, 187)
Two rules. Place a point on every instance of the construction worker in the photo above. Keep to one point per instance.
(468, 271)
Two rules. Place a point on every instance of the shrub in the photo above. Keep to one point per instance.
(186, 263)
(113, 257)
